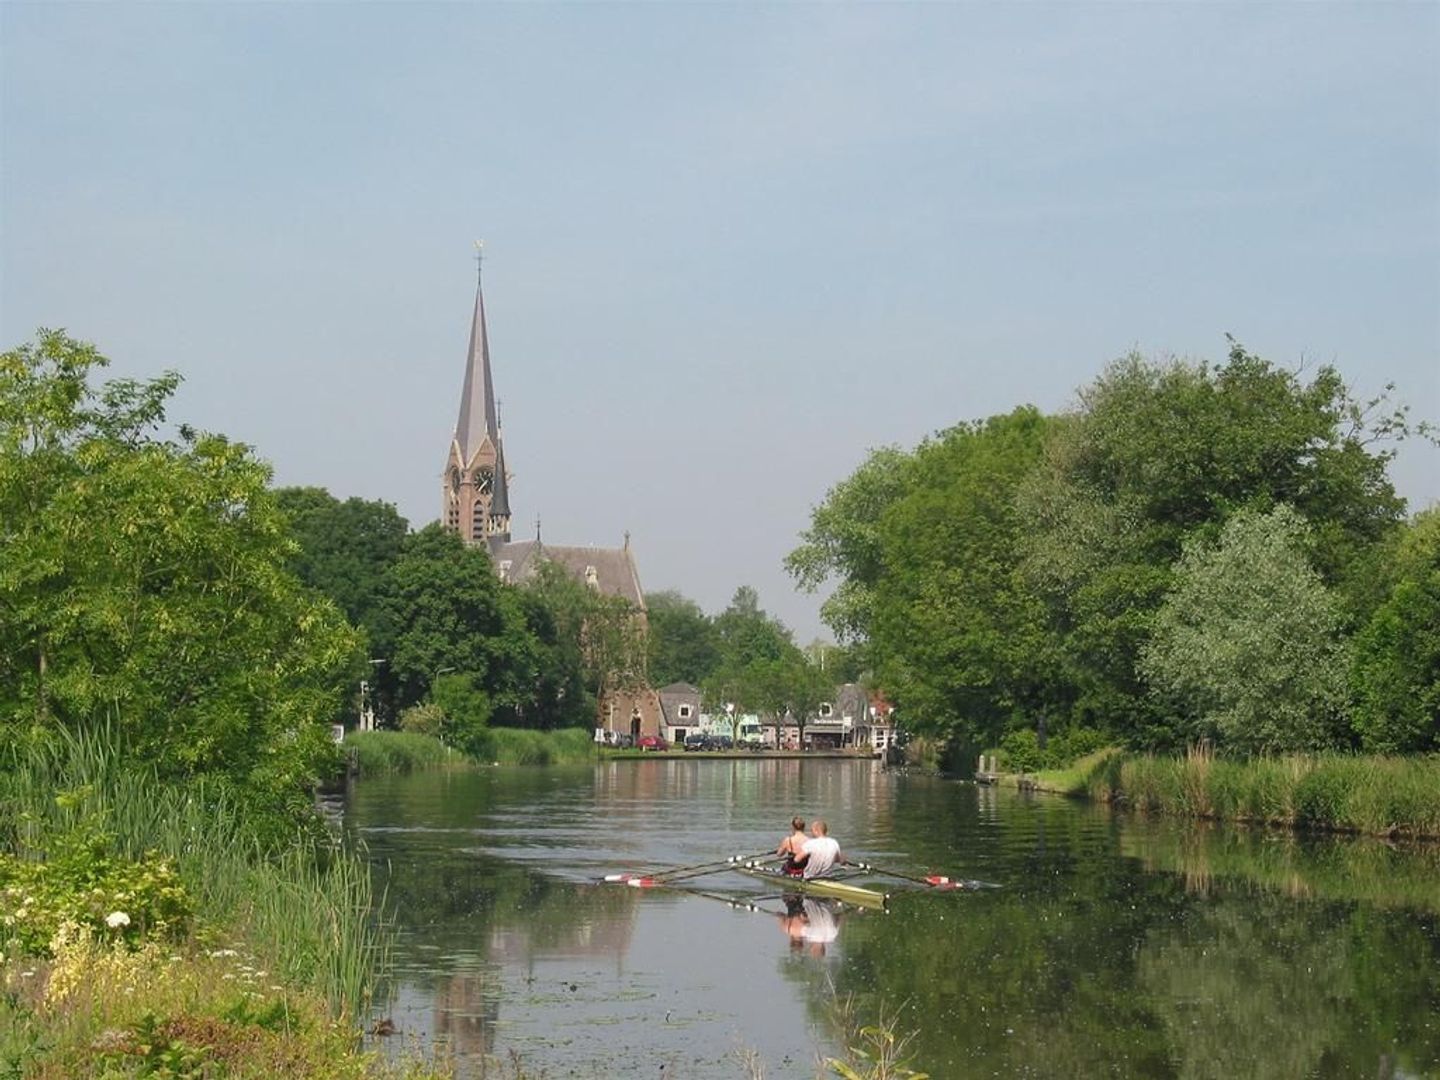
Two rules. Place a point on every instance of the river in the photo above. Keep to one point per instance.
(1114, 946)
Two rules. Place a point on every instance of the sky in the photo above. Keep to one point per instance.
(730, 248)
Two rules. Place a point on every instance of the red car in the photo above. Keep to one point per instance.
(652, 742)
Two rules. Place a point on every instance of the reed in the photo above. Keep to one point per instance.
(1382, 796)
(376, 752)
(306, 905)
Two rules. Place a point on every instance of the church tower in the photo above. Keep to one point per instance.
(475, 488)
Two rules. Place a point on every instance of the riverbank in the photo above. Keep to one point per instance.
(149, 928)
(1370, 795)
(375, 752)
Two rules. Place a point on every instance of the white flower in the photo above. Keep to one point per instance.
(117, 919)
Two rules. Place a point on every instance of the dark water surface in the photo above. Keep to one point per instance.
(1116, 947)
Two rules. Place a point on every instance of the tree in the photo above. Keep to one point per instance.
(957, 639)
(683, 641)
(1158, 454)
(1247, 644)
(844, 541)
(146, 582)
(443, 609)
(602, 637)
(1396, 672)
(345, 547)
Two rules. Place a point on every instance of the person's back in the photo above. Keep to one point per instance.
(821, 851)
(793, 847)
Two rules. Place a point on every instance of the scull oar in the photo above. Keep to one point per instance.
(679, 873)
(934, 881)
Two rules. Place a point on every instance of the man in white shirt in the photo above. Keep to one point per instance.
(821, 851)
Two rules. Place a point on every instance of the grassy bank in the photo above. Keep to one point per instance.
(1379, 796)
(400, 751)
(148, 926)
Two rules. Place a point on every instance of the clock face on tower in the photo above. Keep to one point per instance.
(485, 479)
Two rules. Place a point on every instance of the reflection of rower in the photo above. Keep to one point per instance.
(809, 923)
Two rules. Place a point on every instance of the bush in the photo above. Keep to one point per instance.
(78, 881)
(376, 752)
(426, 719)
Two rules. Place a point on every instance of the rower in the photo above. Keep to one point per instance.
(822, 851)
(793, 847)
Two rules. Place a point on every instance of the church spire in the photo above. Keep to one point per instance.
(477, 397)
(475, 492)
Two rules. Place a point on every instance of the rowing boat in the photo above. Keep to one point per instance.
(831, 887)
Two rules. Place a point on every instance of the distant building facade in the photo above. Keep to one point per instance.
(475, 502)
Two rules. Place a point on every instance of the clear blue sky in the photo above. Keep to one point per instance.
(729, 247)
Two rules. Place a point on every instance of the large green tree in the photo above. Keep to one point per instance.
(345, 547)
(1158, 453)
(443, 610)
(683, 643)
(844, 542)
(145, 582)
(960, 643)
(1247, 646)
(1396, 673)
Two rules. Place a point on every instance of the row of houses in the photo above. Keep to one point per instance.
(854, 720)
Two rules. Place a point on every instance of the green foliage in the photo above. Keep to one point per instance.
(1247, 645)
(1396, 673)
(306, 904)
(1376, 795)
(683, 643)
(845, 541)
(761, 670)
(147, 581)
(427, 719)
(77, 880)
(1162, 454)
(958, 641)
(377, 752)
(465, 710)
(442, 608)
(344, 548)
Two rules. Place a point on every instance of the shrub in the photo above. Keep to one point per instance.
(79, 881)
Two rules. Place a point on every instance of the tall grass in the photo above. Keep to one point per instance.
(377, 752)
(521, 746)
(308, 906)
(399, 751)
(1382, 796)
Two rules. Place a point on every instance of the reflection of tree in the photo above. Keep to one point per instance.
(1086, 964)
(1244, 993)
(1331, 868)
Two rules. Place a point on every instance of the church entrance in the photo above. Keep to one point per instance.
(635, 726)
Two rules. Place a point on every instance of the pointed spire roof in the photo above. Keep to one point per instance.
(500, 504)
(477, 398)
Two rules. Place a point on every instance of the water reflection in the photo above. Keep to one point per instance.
(1117, 946)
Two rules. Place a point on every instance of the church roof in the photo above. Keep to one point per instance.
(477, 397)
(614, 568)
(479, 414)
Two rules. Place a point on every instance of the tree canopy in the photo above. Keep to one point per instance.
(1043, 573)
(145, 582)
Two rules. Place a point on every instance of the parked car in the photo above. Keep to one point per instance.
(698, 741)
(724, 742)
(652, 742)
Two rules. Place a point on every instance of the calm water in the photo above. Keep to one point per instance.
(1116, 947)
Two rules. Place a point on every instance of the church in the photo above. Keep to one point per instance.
(475, 502)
